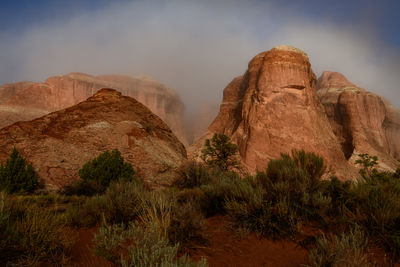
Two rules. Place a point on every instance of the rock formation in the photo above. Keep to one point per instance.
(274, 108)
(59, 143)
(362, 121)
(64, 91)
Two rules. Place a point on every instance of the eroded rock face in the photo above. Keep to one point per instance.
(64, 91)
(362, 121)
(274, 108)
(58, 144)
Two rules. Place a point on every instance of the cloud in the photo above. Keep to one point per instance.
(193, 47)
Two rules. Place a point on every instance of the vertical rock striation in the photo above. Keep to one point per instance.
(60, 92)
(362, 121)
(274, 108)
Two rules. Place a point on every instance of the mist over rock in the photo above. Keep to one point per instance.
(60, 92)
(274, 108)
(58, 144)
(362, 121)
(198, 123)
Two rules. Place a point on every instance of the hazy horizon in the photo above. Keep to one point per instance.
(197, 48)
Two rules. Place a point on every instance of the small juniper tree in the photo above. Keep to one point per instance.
(107, 167)
(219, 151)
(367, 162)
(16, 175)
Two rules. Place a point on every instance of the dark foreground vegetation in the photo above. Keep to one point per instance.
(138, 227)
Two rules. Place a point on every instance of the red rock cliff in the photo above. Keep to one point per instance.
(274, 108)
(58, 144)
(363, 122)
(64, 91)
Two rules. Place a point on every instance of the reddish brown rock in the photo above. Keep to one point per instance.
(274, 108)
(363, 122)
(64, 91)
(10, 114)
(59, 143)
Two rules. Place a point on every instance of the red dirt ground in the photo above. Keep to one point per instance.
(227, 249)
(82, 255)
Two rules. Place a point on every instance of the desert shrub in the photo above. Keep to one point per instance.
(84, 188)
(192, 196)
(86, 212)
(187, 225)
(35, 236)
(192, 174)
(16, 175)
(215, 193)
(348, 249)
(295, 182)
(156, 209)
(97, 174)
(310, 163)
(377, 209)
(367, 163)
(137, 246)
(120, 203)
(396, 174)
(276, 202)
(373, 203)
(341, 195)
(220, 152)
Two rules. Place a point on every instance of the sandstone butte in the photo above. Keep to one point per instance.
(274, 108)
(362, 121)
(29, 100)
(59, 143)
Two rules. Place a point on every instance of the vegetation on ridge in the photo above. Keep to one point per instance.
(154, 228)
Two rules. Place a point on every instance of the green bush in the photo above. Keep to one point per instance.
(367, 162)
(276, 202)
(107, 167)
(192, 174)
(212, 200)
(16, 175)
(377, 209)
(137, 246)
(84, 188)
(34, 236)
(220, 152)
(187, 225)
(348, 249)
(296, 181)
(193, 196)
(341, 195)
(373, 203)
(122, 202)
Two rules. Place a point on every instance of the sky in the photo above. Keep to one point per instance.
(198, 47)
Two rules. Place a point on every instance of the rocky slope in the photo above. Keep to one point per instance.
(59, 143)
(362, 121)
(274, 108)
(64, 91)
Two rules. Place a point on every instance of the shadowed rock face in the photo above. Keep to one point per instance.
(64, 91)
(363, 122)
(274, 108)
(58, 144)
